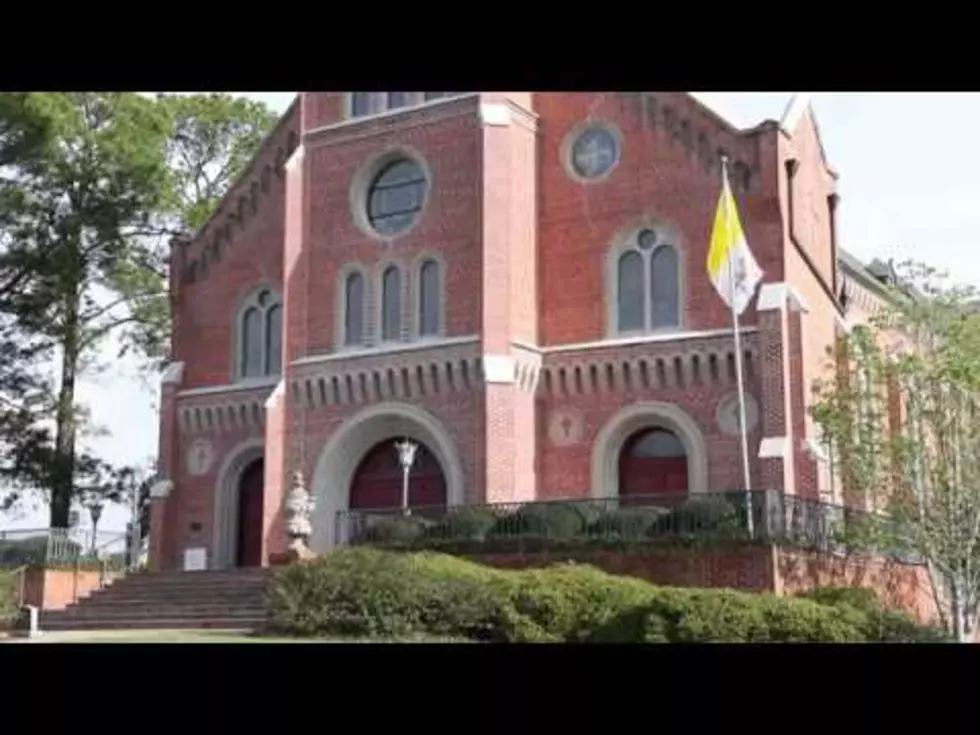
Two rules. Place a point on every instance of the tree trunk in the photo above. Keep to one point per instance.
(956, 612)
(63, 471)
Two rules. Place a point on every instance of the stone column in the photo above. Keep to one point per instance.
(777, 450)
(509, 318)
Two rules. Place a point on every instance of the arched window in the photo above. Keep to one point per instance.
(663, 288)
(360, 103)
(631, 291)
(391, 307)
(260, 336)
(354, 309)
(273, 340)
(429, 299)
(647, 284)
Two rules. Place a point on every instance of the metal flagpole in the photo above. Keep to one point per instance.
(746, 474)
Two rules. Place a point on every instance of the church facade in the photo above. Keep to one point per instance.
(514, 281)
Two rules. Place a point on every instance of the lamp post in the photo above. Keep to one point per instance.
(95, 509)
(406, 457)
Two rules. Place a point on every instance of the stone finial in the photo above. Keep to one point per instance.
(299, 512)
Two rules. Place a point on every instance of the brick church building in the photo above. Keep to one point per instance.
(515, 281)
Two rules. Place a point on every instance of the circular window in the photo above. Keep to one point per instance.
(395, 197)
(594, 153)
(647, 239)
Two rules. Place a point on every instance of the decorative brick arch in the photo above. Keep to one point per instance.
(624, 423)
(225, 526)
(355, 437)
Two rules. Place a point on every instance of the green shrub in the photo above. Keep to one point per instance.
(699, 516)
(468, 523)
(877, 622)
(395, 531)
(23, 551)
(566, 602)
(556, 521)
(366, 592)
(627, 524)
(727, 616)
(8, 598)
(370, 593)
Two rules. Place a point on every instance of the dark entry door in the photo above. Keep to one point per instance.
(250, 492)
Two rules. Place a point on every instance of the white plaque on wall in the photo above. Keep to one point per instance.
(200, 456)
(728, 414)
(566, 427)
(195, 559)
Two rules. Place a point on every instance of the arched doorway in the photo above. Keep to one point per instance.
(248, 544)
(653, 461)
(377, 481)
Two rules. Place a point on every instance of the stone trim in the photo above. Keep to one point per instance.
(217, 413)
(173, 374)
(338, 460)
(774, 447)
(363, 178)
(624, 241)
(773, 296)
(340, 309)
(415, 296)
(247, 299)
(610, 440)
(225, 522)
(637, 368)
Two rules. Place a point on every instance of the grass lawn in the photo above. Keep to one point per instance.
(179, 636)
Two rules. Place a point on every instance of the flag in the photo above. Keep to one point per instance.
(731, 267)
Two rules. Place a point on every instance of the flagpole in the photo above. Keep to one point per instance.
(746, 474)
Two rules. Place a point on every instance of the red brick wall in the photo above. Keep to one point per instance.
(781, 571)
(751, 570)
(253, 255)
(658, 175)
(448, 138)
(56, 589)
(902, 586)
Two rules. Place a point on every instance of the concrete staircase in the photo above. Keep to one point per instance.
(228, 599)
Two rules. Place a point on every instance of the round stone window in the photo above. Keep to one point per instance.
(594, 153)
(647, 239)
(395, 196)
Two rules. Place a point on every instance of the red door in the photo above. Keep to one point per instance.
(653, 462)
(378, 480)
(250, 492)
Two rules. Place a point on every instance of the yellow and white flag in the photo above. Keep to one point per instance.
(731, 267)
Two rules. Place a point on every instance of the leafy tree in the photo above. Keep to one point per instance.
(212, 139)
(91, 187)
(901, 417)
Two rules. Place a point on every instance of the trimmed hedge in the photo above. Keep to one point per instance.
(8, 598)
(365, 592)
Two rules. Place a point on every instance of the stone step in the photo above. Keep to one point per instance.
(201, 598)
(172, 611)
(107, 593)
(151, 623)
(249, 581)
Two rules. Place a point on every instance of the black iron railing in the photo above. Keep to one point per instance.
(763, 516)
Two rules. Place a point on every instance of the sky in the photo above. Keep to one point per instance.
(909, 189)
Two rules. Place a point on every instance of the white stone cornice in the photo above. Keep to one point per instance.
(296, 159)
(385, 350)
(655, 338)
(774, 296)
(499, 369)
(173, 374)
(494, 114)
(161, 489)
(774, 447)
(244, 385)
(276, 394)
